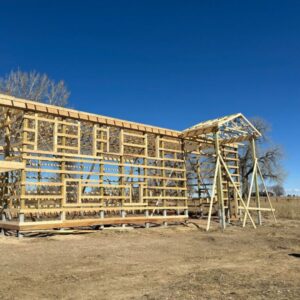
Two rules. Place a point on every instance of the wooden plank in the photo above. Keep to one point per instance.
(88, 222)
(9, 166)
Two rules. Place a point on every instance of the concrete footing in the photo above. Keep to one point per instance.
(101, 217)
(165, 214)
(147, 224)
(123, 215)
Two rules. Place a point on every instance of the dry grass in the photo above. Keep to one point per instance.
(286, 207)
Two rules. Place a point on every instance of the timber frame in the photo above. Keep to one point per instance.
(64, 168)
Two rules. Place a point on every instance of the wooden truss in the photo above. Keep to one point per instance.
(64, 168)
(229, 130)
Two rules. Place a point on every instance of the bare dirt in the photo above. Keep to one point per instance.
(159, 263)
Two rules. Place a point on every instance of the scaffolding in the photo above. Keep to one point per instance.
(61, 168)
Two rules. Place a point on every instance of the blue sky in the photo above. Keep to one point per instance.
(194, 60)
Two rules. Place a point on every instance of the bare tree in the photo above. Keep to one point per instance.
(269, 157)
(35, 86)
(32, 86)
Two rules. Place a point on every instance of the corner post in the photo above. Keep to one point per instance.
(220, 184)
(257, 196)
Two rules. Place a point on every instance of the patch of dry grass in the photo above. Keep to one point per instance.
(286, 207)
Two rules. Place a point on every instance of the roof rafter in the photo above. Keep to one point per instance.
(232, 129)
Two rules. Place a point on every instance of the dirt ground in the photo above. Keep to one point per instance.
(176, 262)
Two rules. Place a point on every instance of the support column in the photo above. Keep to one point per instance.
(6, 154)
(63, 175)
(23, 171)
(186, 210)
(257, 197)
(220, 185)
(164, 181)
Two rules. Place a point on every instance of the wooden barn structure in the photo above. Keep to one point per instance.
(62, 168)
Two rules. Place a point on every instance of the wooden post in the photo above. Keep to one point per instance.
(7, 149)
(144, 190)
(186, 211)
(164, 181)
(23, 172)
(257, 196)
(212, 195)
(121, 166)
(220, 185)
(268, 197)
(101, 160)
(198, 179)
(63, 176)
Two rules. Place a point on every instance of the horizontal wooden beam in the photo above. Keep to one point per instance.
(8, 166)
(88, 222)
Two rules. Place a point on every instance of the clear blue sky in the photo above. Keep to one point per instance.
(194, 60)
